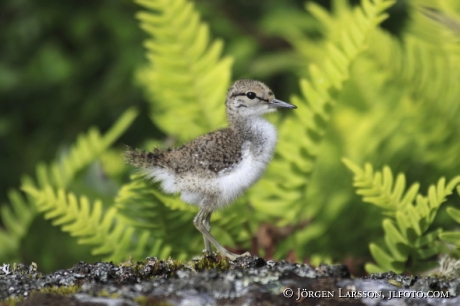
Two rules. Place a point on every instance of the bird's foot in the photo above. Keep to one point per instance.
(233, 256)
(207, 253)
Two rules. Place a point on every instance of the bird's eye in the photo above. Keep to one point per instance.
(251, 95)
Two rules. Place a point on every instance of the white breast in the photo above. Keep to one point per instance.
(256, 155)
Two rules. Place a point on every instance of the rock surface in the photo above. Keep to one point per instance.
(213, 281)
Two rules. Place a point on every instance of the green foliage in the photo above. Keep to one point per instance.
(381, 189)
(385, 115)
(410, 242)
(16, 219)
(163, 219)
(57, 176)
(93, 225)
(181, 56)
(186, 77)
(168, 220)
(278, 196)
(364, 93)
(425, 86)
(453, 237)
(282, 193)
(286, 189)
(64, 67)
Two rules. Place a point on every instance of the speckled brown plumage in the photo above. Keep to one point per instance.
(209, 153)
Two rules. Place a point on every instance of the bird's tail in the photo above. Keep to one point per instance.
(140, 158)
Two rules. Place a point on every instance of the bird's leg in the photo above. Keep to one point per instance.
(206, 223)
(201, 224)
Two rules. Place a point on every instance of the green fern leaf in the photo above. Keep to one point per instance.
(186, 77)
(381, 189)
(405, 226)
(372, 268)
(144, 207)
(454, 213)
(395, 241)
(428, 239)
(426, 253)
(383, 259)
(451, 237)
(414, 218)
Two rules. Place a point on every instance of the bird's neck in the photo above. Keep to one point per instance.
(242, 123)
(251, 127)
(238, 119)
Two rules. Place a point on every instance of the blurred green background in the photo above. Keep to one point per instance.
(66, 66)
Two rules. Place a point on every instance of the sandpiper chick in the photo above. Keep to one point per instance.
(214, 169)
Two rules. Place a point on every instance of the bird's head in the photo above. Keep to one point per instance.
(247, 98)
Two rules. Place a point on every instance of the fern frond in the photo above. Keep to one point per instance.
(143, 206)
(41, 191)
(407, 236)
(186, 78)
(453, 237)
(380, 188)
(85, 220)
(16, 219)
(114, 238)
(84, 151)
(384, 261)
(301, 134)
(58, 174)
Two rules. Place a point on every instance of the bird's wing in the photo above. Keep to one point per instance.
(212, 152)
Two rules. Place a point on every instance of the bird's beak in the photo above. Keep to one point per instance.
(281, 104)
